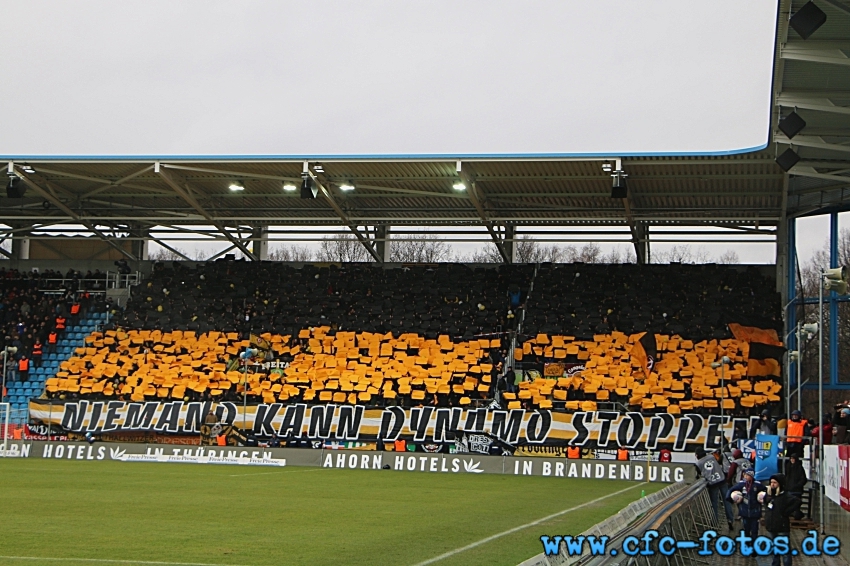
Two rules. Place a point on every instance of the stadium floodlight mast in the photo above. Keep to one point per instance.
(6, 352)
(834, 279)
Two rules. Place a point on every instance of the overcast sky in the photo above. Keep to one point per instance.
(383, 77)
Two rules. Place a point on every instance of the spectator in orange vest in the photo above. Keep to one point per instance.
(37, 352)
(24, 368)
(622, 453)
(797, 430)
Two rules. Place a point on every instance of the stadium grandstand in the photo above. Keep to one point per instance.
(614, 374)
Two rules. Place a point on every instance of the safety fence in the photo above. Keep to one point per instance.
(681, 510)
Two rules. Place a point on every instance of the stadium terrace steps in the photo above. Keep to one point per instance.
(19, 392)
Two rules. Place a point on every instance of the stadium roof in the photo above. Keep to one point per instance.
(813, 77)
(745, 193)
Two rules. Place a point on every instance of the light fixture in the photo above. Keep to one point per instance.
(318, 168)
(346, 187)
(606, 167)
(459, 186)
(27, 168)
(807, 20)
(236, 186)
(289, 187)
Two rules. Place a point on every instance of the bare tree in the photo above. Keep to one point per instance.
(164, 254)
(588, 253)
(528, 250)
(419, 249)
(342, 248)
(682, 254)
(487, 254)
(291, 253)
(729, 257)
(619, 256)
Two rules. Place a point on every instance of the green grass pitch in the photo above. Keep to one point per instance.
(184, 513)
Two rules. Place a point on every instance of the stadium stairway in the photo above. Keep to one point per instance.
(19, 393)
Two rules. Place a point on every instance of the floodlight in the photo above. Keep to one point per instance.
(459, 186)
(236, 186)
(810, 328)
(346, 187)
(289, 187)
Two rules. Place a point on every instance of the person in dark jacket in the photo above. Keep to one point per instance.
(765, 425)
(779, 506)
(795, 480)
(745, 494)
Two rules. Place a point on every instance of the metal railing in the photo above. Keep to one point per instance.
(92, 285)
(619, 526)
(684, 517)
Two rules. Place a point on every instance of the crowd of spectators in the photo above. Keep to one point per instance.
(34, 305)
(236, 296)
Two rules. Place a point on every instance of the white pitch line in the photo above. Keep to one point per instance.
(279, 472)
(521, 527)
(107, 561)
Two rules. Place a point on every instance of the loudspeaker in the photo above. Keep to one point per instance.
(810, 328)
(807, 20)
(836, 274)
(308, 188)
(619, 189)
(839, 287)
(15, 189)
(788, 159)
(791, 124)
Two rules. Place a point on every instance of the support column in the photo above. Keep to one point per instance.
(510, 242)
(260, 242)
(790, 277)
(833, 303)
(642, 247)
(21, 246)
(382, 242)
(139, 248)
